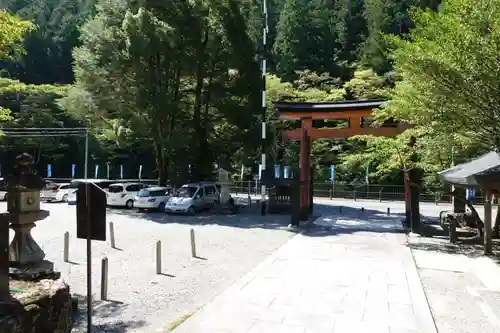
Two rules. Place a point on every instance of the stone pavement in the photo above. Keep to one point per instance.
(346, 274)
(462, 286)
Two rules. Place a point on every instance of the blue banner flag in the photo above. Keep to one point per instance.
(286, 172)
(277, 171)
(107, 170)
(140, 171)
(470, 194)
(49, 170)
(121, 171)
(96, 171)
(332, 173)
(73, 168)
(260, 171)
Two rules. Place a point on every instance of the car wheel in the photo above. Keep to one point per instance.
(191, 210)
(129, 204)
(161, 206)
(65, 198)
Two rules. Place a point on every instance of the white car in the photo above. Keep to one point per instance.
(123, 194)
(154, 197)
(3, 189)
(73, 187)
(55, 192)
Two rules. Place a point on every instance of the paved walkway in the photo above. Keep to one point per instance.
(346, 275)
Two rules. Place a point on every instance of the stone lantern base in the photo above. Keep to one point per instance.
(26, 258)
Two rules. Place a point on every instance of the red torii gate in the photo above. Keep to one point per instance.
(355, 112)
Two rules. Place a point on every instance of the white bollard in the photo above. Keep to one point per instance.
(104, 279)
(66, 247)
(193, 244)
(158, 257)
(112, 235)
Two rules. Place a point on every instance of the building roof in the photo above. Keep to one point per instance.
(336, 106)
(473, 173)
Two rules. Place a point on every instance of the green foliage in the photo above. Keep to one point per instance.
(48, 48)
(12, 31)
(450, 71)
(135, 71)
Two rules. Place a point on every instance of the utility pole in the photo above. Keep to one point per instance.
(265, 30)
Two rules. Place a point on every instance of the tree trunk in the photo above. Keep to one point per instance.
(196, 170)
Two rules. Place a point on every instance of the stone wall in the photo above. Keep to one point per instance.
(47, 309)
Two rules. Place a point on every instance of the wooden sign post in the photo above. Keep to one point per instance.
(90, 225)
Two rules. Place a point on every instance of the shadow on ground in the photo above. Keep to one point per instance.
(102, 310)
(333, 219)
(469, 243)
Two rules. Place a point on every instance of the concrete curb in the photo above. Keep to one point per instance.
(420, 303)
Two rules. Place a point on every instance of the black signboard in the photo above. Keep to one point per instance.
(91, 218)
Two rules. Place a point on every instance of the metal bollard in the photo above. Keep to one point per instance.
(340, 209)
(104, 279)
(362, 209)
(66, 246)
(112, 235)
(158, 257)
(193, 244)
(331, 194)
(388, 211)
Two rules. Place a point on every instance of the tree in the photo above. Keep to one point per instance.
(48, 57)
(307, 40)
(168, 72)
(12, 31)
(450, 74)
(388, 17)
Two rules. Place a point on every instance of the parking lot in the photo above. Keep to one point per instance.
(139, 299)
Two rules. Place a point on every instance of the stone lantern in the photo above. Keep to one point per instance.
(26, 258)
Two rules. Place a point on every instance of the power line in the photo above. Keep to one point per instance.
(38, 132)
(43, 128)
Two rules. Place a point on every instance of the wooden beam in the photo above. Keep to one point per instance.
(342, 133)
(284, 115)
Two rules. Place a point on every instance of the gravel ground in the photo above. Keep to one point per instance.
(140, 300)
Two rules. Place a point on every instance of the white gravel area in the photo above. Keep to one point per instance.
(139, 299)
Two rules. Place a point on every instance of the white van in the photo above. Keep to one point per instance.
(191, 198)
(73, 187)
(123, 195)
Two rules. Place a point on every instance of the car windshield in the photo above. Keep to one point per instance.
(74, 184)
(186, 192)
(115, 189)
(144, 193)
(50, 186)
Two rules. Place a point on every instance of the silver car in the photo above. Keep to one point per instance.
(191, 198)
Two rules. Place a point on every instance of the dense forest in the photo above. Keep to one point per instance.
(176, 86)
